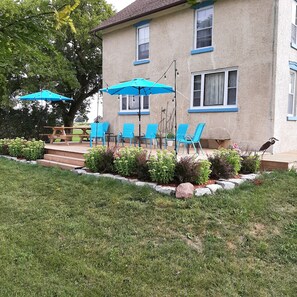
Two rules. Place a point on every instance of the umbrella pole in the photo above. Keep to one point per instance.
(175, 107)
(139, 119)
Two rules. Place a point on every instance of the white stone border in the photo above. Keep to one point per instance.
(224, 184)
(227, 184)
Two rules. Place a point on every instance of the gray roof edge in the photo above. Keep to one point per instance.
(101, 27)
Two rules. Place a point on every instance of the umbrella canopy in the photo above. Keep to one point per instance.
(138, 87)
(46, 96)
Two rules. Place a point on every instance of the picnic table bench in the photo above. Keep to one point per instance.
(66, 133)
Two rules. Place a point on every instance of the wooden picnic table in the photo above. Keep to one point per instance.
(66, 133)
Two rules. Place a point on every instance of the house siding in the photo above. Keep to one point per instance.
(243, 37)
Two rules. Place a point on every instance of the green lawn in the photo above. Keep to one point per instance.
(68, 235)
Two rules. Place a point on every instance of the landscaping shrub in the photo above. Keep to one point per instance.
(125, 162)
(225, 163)
(220, 167)
(100, 159)
(186, 170)
(4, 146)
(250, 164)
(33, 150)
(16, 146)
(204, 172)
(162, 167)
(142, 168)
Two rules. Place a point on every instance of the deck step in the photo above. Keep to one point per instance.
(48, 163)
(80, 162)
(65, 153)
(270, 165)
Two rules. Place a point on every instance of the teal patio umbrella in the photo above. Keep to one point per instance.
(138, 87)
(46, 96)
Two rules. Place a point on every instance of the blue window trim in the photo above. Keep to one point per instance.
(202, 50)
(227, 109)
(140, 62)
(142, 23)
(291, 118)
(293, 65)
(294, 45)
(204, 4)
(133, 113)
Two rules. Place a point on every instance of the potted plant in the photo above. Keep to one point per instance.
(170, 138)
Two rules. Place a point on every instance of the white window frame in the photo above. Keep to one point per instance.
(225, 101)
(293, 114)
(196, 20)
(133, 110)
(137, 41)
(294, 23)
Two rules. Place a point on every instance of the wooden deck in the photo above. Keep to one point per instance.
(72, 155)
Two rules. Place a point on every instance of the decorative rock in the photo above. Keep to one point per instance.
(165, 190)
(143, 184)
(121, 178)
(79, 171)
(184, 190)
(202, 191)
(236, 181)
(108, 175)
(251, 176)
(214, 188)
(225, 184)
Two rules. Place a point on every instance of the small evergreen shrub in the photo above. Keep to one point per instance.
(204, 172)
(16, 146)
(33, 150)
(250, 164)
(142, 168)
(162, 167)
(100, 159)
(4, 146)
(126, 161)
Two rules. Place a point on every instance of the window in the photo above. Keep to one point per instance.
(215, 89)
(143, 38)
(131, 103)
(292, 95)
(204, 24)
(294, 25)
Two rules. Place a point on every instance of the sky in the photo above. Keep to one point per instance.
(120, 4)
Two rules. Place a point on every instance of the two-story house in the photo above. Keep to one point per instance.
(236, 61)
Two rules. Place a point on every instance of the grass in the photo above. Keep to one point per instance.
(68, 235)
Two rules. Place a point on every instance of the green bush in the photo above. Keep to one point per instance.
(162, 167)
(125, 162)
(225, 163)
(16, 146)
(204, 172)
(33, 150)
(250, 164)
(4, 146)
(100, 159)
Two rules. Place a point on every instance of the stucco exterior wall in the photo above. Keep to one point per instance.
(285, 130)
(243, 37)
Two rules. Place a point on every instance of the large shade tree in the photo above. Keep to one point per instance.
(42, 47)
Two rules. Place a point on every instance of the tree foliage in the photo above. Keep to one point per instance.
(39, 52)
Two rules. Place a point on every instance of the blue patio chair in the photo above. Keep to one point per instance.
(150, 134)
(188, 139)
(128, 132)
(98, 131)
(180, 133)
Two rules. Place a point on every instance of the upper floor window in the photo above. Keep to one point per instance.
(131, 103)
(294, 24)
(215, 89)
(204, 25)
(292, 95)
(143, 39)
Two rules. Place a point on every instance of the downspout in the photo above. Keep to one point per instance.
(273, 70)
